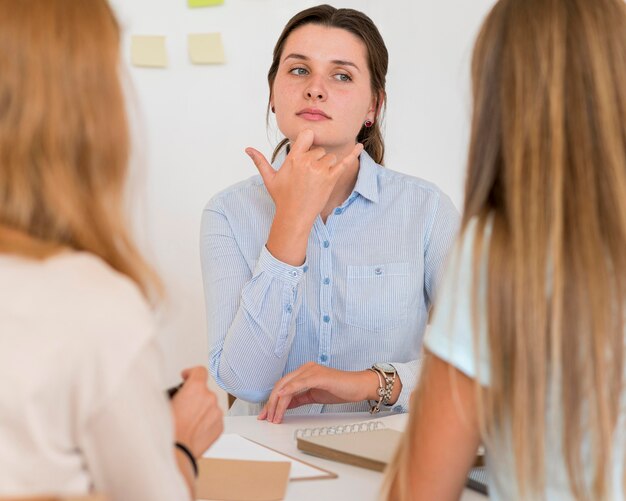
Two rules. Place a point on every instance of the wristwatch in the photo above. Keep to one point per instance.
(386, 378)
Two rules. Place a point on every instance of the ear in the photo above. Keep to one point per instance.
(376, 105)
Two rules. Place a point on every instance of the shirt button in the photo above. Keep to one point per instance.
(293, 273)
(326, 244)
(326, 281)
(326, 319)
(306, 268)
(338, 211)
(323, 358)
(378, 271)
(289, 308)
(397, 408)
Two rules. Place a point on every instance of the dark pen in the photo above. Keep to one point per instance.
(173, 390)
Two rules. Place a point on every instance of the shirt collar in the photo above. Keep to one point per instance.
(366, 181)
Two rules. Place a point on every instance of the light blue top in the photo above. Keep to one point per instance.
(362, 296)
(451, 339)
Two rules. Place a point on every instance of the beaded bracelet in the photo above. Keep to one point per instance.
(374, 408)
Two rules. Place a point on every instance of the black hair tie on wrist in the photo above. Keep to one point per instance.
(188, 453)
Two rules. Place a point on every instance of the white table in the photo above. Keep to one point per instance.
(353, 483)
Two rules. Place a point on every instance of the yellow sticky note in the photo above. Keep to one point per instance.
(206, 48)
(148, 51)
(204, 3)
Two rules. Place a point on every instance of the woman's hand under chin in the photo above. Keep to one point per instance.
(306, 178)
(316, 384)
(300, 190)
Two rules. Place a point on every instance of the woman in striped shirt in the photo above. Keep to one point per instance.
(327, 263)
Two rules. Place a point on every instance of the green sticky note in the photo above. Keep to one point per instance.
(204, 3)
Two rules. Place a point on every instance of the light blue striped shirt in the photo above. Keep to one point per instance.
(362, 296)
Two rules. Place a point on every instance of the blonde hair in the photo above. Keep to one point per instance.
(547, 165)
(64, 140)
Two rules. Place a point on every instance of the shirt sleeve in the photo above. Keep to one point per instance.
(408, 372)
(451, 334)
(128, 443)
(251, 313)
(439, 242)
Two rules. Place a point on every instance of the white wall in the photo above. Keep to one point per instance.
(195, 121)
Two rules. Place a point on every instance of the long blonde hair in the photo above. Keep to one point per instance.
(64, 139)
(547, 166)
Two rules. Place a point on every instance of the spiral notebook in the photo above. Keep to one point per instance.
(370, 444)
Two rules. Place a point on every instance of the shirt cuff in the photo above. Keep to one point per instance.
(279, 270)
(409, 375)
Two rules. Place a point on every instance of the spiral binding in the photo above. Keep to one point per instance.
(477, 480)
(339, 429)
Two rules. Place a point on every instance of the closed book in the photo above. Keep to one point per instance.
(372, 449)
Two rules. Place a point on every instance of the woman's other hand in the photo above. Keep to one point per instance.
(198, 418)
(316, 384)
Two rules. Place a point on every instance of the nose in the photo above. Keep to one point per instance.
(315, 90)
(315, 94)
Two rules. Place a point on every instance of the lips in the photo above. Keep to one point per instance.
(313, 114)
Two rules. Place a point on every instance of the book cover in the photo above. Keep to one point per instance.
(371, 449)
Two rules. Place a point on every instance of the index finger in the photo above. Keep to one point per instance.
(281, 408)
(304, 141)
(270, 406)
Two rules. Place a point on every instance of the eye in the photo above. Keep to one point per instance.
(299, 71)
(342, 77)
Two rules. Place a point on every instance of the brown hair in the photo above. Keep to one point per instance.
(64, 140)
(361, 26)
(547, 171)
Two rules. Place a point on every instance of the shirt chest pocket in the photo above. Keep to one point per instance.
(377, 296)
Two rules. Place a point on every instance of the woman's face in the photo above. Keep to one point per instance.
(323, 84)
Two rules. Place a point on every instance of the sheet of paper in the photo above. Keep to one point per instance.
(204, 3)
(148, 51)
(233, 446)
(206, 48)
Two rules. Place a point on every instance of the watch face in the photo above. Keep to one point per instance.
(385, 367)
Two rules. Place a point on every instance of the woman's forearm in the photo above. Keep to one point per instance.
(288, 238)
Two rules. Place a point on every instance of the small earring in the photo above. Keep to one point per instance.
(368, 123)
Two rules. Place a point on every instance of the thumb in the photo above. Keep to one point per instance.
(265, 169)
(198, 372)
